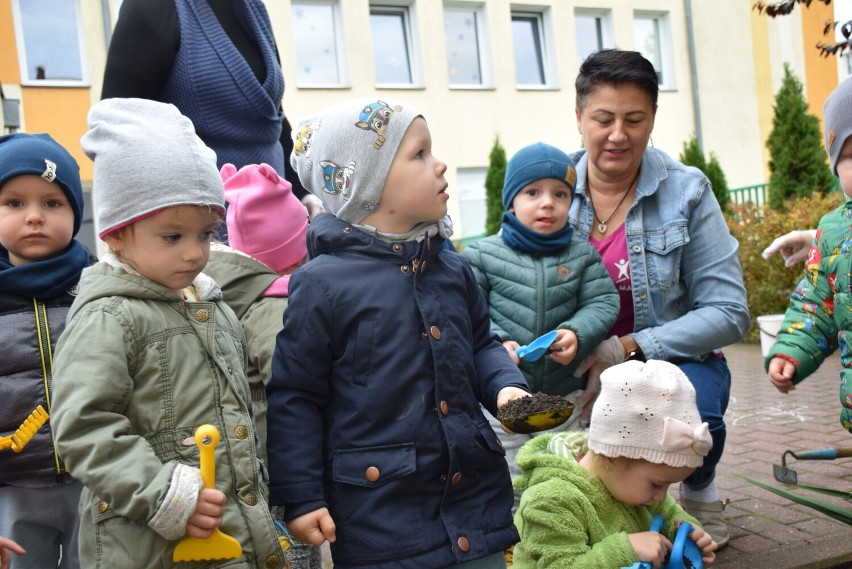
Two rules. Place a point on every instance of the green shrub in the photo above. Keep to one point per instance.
(691, 155)
(768, 282)
(494, 188)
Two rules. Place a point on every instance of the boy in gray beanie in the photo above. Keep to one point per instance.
(385, 359)
(152, 352)
(819, 311)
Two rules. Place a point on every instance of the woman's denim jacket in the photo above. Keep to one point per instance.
(688, 292)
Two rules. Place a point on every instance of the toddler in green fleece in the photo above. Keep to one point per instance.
(589, 503)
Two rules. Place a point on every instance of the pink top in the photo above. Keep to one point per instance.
(613, 251)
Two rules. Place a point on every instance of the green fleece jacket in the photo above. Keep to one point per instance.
(568, 518)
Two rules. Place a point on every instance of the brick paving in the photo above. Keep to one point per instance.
(768, 531)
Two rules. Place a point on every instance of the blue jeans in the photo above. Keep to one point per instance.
(711, 379)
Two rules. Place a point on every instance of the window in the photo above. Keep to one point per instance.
(464, 27)
(532, 49)
(49, 48)
(393, 46)
(471, 188)
(593, 30)
(652, 36)
(318, 41)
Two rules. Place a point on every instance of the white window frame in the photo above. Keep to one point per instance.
(486, 74)
(542, 14)
(468, 193)
(604, 17)
(340, 47)
(664, 37)
(409, 23)
(22, 52)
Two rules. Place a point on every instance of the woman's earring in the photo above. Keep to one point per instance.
(650, 142)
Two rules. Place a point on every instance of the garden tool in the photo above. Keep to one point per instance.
(788, 475)
(685, 554)
(219, 545)
(537, 348)
(26, 431)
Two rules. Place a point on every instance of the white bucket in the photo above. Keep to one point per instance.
(769, 325)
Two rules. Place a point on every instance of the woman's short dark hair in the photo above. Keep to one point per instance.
(615, 67)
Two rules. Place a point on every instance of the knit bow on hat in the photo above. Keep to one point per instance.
(678, 436)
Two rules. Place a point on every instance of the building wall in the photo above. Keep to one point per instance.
(738, 65)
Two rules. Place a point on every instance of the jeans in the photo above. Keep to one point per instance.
(711, 379)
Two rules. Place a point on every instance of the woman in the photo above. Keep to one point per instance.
(661, 235)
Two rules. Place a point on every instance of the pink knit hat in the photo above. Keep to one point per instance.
(265, 220)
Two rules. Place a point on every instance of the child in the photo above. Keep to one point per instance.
(594, 509)
(41, 209)
(266, 228)
(819, 311)
(152, 352)
(384, 359)
(535, 279)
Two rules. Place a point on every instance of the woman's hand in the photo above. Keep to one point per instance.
(7, 545)
(314, 527)
(608, 353)
(650, 546)
(563, 350)
(208, 513)
(781, 373)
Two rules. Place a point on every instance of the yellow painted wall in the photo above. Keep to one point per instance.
(9, 72)
(60, 112)
(820, 72)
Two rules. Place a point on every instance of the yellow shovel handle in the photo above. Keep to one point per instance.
(207, 437)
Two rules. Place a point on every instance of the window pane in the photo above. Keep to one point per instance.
(462, 47)
(315, 41)
(589, 35)
(529, 64)
(390, 47)
(647, 32)
(471, 188)
(51, 41)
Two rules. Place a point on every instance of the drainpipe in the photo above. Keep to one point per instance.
(693, 73)
(107, 21)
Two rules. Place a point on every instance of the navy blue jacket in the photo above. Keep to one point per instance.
(374, 403)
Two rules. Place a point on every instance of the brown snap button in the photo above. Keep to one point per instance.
(456, 479)
(423, 335)
(251, 499)
(202, 315)
(464, 544)
(273, 561)
(436, 332)
(404, 268)
(347, 230)
(102, 507)
(372, 473)
(241, 432)
(445, 409)
(397, 247)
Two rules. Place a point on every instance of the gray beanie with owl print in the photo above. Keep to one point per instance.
(343, 153)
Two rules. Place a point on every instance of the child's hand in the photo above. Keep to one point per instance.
(508, 393)
(781, 373)
(564, 348)
(208, 513)
(704, 542)
(511, 346)
(650, 546)
(314, 527)
(7, 545)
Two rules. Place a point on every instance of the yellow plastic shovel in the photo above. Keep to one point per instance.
(26, 431)
(219, 545)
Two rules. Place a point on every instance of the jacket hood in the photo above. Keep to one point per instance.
(242, 278)
(109, 277)
(552, 456)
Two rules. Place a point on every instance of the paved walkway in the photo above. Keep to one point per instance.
(768, 531)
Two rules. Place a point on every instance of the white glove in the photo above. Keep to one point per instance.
(610, 352)
(313, 204)
(794, 246)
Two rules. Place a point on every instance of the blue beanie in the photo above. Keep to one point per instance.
(535, 162)
(40, 155)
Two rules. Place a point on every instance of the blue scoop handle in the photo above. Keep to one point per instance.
(682, 547)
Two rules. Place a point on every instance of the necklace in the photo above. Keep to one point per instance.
(602, 223)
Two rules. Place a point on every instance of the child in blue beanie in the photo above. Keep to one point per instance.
(41, 208)
(536, 279)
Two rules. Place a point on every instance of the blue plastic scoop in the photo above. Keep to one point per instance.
(537, 348)
(685, 554)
